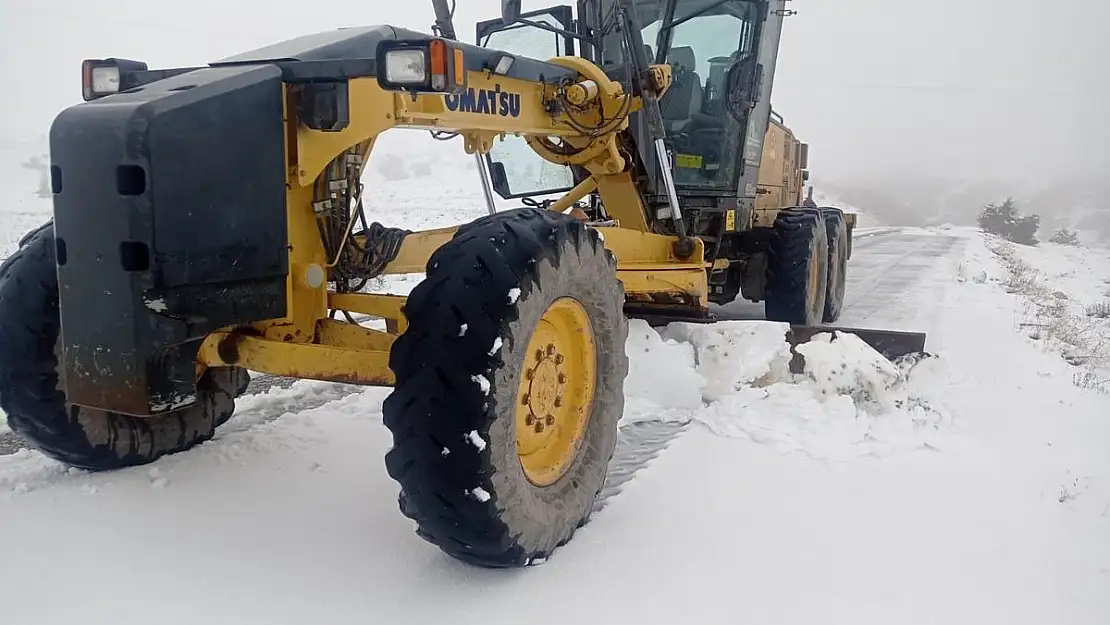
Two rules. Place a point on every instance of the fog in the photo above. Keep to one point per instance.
(885, 91)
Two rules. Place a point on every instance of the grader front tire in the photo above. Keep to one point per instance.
(35, 403)
(509, 386)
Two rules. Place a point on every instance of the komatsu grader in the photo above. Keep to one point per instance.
(208, 221)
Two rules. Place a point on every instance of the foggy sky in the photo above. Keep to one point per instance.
(956, 88)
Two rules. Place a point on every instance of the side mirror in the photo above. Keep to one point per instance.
(510, 11)
(742, 86)
(498, 179)
(803, 156)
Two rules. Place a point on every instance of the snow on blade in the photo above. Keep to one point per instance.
(514, 295)
(734, 378)
(868, 379)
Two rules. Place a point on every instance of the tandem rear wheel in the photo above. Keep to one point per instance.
(807, 266)
(509, 387)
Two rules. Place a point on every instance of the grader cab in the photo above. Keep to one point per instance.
(208, 221)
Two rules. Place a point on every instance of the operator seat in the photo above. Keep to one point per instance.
(684, 97)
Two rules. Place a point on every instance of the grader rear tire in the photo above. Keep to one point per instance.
(797, 268)
(32, 396)
(837, 234)
(509, 386)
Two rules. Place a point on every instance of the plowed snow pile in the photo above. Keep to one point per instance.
(734, 378)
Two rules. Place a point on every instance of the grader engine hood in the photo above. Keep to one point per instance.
(170, 222)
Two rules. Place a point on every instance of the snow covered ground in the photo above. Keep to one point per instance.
(971, 486)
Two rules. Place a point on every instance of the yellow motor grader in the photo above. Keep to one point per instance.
(208, 221)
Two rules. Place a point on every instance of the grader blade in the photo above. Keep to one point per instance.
(892, 344)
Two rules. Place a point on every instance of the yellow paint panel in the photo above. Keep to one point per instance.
(633, 248)
(297, 360)
(352, 336)
(690, 283)
(416, 248)
(383, 306)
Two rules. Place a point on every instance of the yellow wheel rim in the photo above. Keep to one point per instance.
(556, 392)
(814, 275)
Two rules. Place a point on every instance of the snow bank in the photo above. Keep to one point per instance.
(734, 378)
(1062, 298)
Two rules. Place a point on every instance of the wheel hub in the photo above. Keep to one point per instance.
(545, 391)
(815, 304)
(556, 392)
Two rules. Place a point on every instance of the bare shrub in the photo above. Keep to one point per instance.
(1089, 378)
(1062, 325)
(1063, 236)
(1100, 310)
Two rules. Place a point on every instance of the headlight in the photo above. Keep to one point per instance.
(406, 66)
(104, 80)
(101, 77)
(430, 65)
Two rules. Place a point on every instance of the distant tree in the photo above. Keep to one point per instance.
(1025, 230)
(997, 218)
(1063, 236)
(1006, 221)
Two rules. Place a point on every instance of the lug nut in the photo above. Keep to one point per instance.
(525, 399)
(550, 349)
(529, 374)
(550, 420)
(539, 427)
(562, 378)
(539, 354)
(530, 420)
(558, 401)
(559, 359)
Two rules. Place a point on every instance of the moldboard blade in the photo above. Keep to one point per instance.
(892, 344)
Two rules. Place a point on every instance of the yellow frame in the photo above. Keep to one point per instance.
(307, 344)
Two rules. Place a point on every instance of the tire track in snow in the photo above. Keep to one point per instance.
(638, 443)
(899, 284)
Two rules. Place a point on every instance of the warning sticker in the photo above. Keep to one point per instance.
(688, 161)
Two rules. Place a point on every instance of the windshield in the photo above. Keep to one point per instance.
(706, 39)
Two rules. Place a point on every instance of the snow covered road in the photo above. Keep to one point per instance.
(898, 279)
